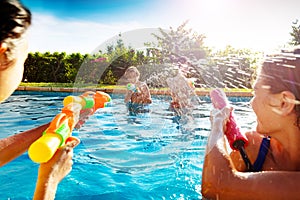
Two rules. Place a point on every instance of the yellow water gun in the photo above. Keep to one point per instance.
(61, 127)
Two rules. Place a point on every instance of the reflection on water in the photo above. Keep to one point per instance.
(153, 155)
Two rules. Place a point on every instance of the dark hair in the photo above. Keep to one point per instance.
(14, 21)
(282, 73)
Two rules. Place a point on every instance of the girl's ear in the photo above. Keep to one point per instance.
(3, 48)
(288, 102)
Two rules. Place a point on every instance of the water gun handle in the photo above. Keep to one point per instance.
(53, 137)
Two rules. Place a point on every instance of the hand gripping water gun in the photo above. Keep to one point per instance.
(89, 100)
(236, 139)
(60, 129)
(191, 83)
(132, 87)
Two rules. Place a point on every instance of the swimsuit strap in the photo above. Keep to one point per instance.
(263, 151)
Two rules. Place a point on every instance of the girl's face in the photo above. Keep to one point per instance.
(132, 77)
(265, 105)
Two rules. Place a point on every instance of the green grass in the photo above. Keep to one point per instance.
(47, 84)
(70, 85)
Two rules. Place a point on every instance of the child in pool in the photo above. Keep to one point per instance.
(14, 21)
(138, 95)
(277, 107)
(182, 92)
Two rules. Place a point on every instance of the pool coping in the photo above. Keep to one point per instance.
(121, 91)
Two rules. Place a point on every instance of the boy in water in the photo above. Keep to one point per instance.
(138, 95)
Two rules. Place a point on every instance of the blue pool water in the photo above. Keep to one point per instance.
(148, 156)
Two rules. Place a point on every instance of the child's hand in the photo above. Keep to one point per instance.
(61, 163)
(132, 87)
(84, 115)
(218, 119)
(53, 171)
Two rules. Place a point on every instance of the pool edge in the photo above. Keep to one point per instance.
(107, 90)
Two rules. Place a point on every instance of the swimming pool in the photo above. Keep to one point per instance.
(148, 156)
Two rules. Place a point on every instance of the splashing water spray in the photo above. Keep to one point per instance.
(205, 75)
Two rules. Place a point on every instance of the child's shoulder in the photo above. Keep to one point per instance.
(252, 148)
(141, 83)
(254, 142)
(254, 136)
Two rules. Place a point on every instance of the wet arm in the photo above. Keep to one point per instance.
(52, 172)
(45, 188)
(15, 145)
(220, 180)
(146, 94)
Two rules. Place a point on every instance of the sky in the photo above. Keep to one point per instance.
(86, 25)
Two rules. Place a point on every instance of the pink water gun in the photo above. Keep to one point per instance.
(236, 139)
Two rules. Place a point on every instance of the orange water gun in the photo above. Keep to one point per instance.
(61, 127)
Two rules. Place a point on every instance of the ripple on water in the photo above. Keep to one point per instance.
(153, 155)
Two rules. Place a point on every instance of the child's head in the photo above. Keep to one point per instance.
(14, 21)
(132, 74)
(281, 72)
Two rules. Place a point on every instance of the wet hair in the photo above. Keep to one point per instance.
(14, 21)
(281, 72)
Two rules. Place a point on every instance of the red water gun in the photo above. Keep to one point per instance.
(236, 139)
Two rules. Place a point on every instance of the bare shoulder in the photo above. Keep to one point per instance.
(254, 137)
(252, 148)
(254, 142)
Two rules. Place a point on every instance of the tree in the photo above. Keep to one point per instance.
(179, 43)
(180, 48)
(232, 68)
(295, 33)
(73, 63)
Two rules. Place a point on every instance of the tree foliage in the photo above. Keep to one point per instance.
(180, 42)
(52, 67)
(232, 68)
(295, 34)
(177, 48)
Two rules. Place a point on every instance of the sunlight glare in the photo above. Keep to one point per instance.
(208, 17)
